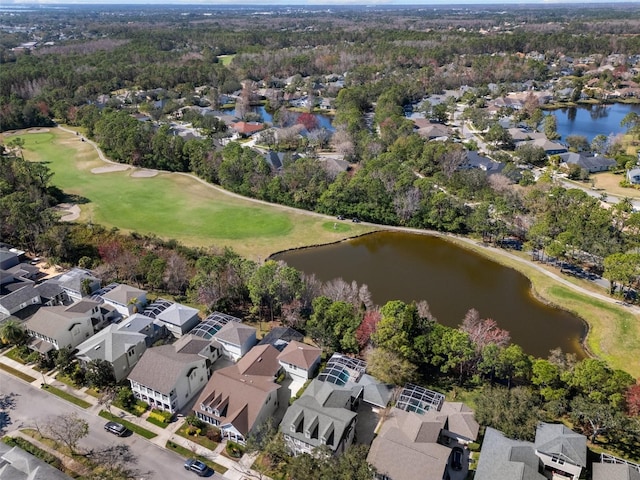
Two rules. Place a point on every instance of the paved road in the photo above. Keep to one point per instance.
(34, 406)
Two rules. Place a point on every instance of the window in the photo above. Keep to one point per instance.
(558, 460)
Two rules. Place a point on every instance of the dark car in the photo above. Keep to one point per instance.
(355, 220)
(456, 458)
(115, 428)
(340, 217)
(196, 466)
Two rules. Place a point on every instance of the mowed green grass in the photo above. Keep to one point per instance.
(176, 206)
(225, 59)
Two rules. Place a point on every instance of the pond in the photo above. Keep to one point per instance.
(324, 121)
(591, 120)
(409, 267)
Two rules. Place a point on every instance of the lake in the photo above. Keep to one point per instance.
(324, 121)
(410, 267)
(592, 120)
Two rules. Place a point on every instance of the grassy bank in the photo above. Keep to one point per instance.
(172, 205)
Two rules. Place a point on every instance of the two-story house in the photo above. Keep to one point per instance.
(53, 328)
(241, 397)
(169, 376)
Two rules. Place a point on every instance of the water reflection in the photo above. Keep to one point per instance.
(399, 266)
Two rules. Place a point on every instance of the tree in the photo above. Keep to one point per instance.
(546, 376)
(483, 332)
(64, 360)
(274, 284)
(515, 412)
(100, 373)
(531, 155)
(390, 368)
(12, 332)
(632, 397)
(114, 462)
(594, 417)
(333, 325)
(578, 143)
(367, 327)
(550, 127)
(452, 351)
(68, 429)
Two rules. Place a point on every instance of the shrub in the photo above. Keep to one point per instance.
(213, 434)
(34, 450)
(234, 450)
(161, 415)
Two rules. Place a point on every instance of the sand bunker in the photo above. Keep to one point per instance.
(144, 173)
(110, 168)
(72, 209)
(37, 130)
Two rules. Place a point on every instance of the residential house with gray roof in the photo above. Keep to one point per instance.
(323, 415)
(125, 299)
(561, 449)
(17, 464)
(122, 344)
(557, 450)
(614, 471)
(239, 398)
(236, 339)
(53, 328)
(178, 319)
(77, 283)
(169, 376)
(586, 161)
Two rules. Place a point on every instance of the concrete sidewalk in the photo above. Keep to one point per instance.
(237, 470)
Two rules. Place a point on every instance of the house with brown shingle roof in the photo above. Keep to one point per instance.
(247, 128)
(169, 376)
(300, 360)
(241, 397)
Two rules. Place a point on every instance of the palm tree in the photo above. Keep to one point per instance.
(12, 333)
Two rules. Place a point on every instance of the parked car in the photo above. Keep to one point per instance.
(456, 458)
(340, 217)
(115, 428)
(197, 467)
(355, 220)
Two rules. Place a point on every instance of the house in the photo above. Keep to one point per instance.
(178, 319)
(561, 450)
(433, 131)
(77, 283)
(519, 135)
(241, 397)
(8, 259)
(280, 337)
(589, 162)
(276, 159)
(507, 459)
(633, 176)
(323, 415)
(549, 147)
(212, 324)
(16, 294)
(406, 448)
(300, 360)
(246, 129)
(613, 468)
(53, 328)
(557, 450)
(17, 464)
(419, 434)
(235, 339)
(475, 161)
(169, 376)
(122, 345)
(124, 298)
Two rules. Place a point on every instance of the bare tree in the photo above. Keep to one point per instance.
(451, 161)
(114, 462)
(67, 429)
(483, 332)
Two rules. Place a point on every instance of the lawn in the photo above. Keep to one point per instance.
(143, 432)
(66, 396)
(17, 373)
(610, 183)
(226, 59)
(177, 206)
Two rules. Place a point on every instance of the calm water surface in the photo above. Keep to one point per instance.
(592, 120)
(324, 121)
(399, 266)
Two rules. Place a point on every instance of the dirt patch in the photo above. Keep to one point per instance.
(37, 130)
(110, 168)
(73, 211)
(144, 173)
(611, 184)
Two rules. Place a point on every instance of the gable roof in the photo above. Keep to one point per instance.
(587, 161)
(25, 292)
(49, 321)
(406, 448)
(556, 439)
(300, 354)
(239, 392)
(160, 367)
(109, 344)
(16, 464)
(460, 419)
(506, 459)
(235, 333)
(280, 337)
(325, 403)
(247, 128)
(72, 280)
